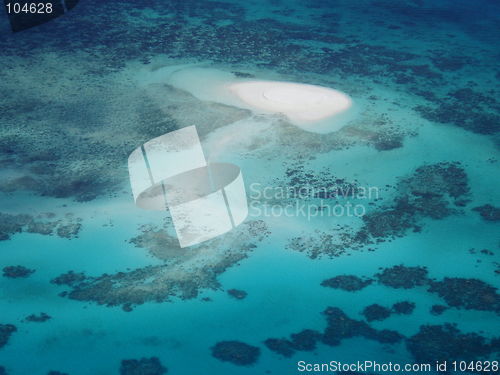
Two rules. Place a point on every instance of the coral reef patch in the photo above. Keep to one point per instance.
(435, 342)
(236, 352)
(350, 283)
(6, 330)
(65, 227)
(183, 275)
(460, 293)
(469, 294)
(143, 366)
(403, 307)
(339, 327)
(15, 272)
(376, 312)
(237, 294)
(404, 277)
(438, 309)
(488, 212)
(40, 318)
(428, 192)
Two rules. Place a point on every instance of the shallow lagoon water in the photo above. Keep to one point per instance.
(116, 92)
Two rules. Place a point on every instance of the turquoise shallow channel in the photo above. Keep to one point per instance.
(375, 241)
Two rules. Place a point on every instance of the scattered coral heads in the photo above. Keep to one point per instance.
(350, 283)
(488, 212)
(404, 277)
(236, 293)
(143, 366)
(236, 352)
(6, 330)
(15, 272)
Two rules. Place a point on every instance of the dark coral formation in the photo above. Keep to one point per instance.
(437, 179)
(15, 272)
(339, 327)
(376, 312)
(379, 312)
(283, 347)
(401, 276)
(435, 342)
(403, 307)
(470, 294)
(160, 283)
(57, 373)
(236, 352)
(3, 371)
(6, 330)
(488, 212)
(304, 340)
(301, 182)
(143, 366)
(466, 108)
(236, 293)
(69, 230)
(11, 224)
(40, 318)
(461, 293)
(426, 193)
(68, 278)
(438, 309)
(430, 192)
(350, 283)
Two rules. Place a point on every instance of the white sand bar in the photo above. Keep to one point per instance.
(303, 104)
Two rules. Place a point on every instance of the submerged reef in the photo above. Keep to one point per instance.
(143, 366)
(404, 277)
(236, 293)
(183, 275)
(403, 307)
(339, 327)
(304, 340)
(6, 330)
(438, 309)
(460, 293)
(469, 294)
(465, 108)
(488, 212)
(68, 278)
(236, 352)
(40, 318)
(431, 343)
(283, 347)
(350, 283)
(436, 342)
(427, 193)
(3, 371)
(376, 312)
(15, 272)
(57, 373)
(65, 227)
